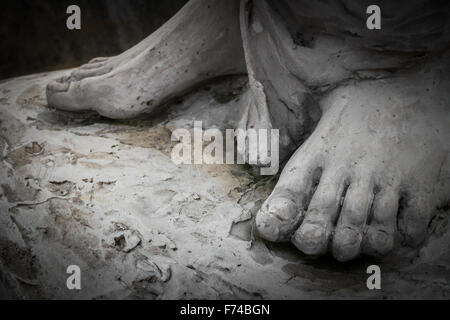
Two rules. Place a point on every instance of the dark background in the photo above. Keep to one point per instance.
(34, 37)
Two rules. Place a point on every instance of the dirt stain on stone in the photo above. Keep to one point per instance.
(32, 96)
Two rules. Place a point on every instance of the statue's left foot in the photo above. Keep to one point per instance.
(200, 43)
(372, 172)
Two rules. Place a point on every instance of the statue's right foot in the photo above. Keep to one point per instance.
(371, 174)
(201, 42)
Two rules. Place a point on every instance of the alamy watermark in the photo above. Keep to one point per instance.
(374, 20)
(74, 20)
(258, 147)
(74, 280)
(374, 280)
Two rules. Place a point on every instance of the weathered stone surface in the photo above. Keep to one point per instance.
(104, 195)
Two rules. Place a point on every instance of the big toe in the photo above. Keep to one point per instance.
(278, 219)
(60, 95)
(58, 85)
(282, 213)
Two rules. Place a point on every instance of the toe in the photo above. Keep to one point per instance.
(283, 211)
(352, 221)
(90, 66)
(80, 74)
(379, 238)
(314, 234)
(58, 86)
(277, 219)
(414, 217)
(99, 59)
(62, 95)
